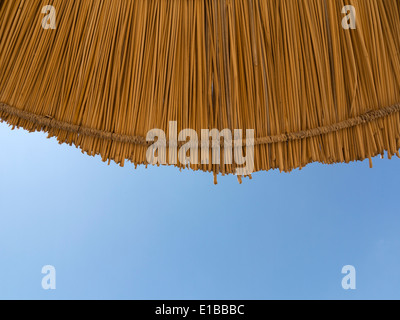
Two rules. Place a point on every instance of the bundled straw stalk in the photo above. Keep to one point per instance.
(114, 69)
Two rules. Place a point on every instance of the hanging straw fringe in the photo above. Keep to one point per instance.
(46, 123)
(115, 69)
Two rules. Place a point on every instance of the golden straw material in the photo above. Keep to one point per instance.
(111, 71)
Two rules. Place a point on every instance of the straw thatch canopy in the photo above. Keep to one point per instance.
(102, 74)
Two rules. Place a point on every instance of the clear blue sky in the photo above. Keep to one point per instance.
(121, 233)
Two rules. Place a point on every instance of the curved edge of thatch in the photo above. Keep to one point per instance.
(374, 133)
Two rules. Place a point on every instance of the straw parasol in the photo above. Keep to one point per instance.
(219, 83)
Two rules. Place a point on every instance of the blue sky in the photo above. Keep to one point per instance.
(157, 233)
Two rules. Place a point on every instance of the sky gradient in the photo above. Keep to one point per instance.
(157, 233)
